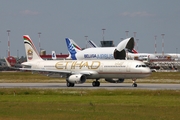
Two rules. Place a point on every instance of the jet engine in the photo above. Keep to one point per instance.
(120, 80)
(77, 78)
(119, 52)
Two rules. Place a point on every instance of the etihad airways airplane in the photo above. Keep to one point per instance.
(77, 71)
(118, 52)
(96, 52)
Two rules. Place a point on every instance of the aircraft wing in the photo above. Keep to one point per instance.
(61, 71)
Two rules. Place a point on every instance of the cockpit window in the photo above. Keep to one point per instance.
(143, 65)
(138, 66)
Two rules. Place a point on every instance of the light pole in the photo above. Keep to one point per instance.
(86, 40)
(137, 43)
(155, 46)
(0, 50)
(176, 51)
(163, 44)
(134, 35)
(103, 32)
(17, 54)
(39, 42)
(8, 31)
(126, 34)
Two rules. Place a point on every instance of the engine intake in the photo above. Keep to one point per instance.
(77, 78)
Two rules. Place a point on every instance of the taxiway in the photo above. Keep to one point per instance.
(89, 86)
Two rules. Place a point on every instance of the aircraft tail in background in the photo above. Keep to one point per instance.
(31, 51)
(92, 44)
(7, 62)
(54, 55)
(133, 51)
(73, 48)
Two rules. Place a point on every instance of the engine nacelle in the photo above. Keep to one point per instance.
(77, 78)
(112, 80)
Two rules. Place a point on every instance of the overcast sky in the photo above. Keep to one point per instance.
(75, 19)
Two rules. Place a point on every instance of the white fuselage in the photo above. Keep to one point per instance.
(96, 53)
(96, 68)
(108, 53)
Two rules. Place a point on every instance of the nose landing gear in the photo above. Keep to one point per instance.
(134, 83)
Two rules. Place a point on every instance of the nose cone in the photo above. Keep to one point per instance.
(147, 71)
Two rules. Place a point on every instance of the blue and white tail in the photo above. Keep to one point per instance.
(54, 55)
(92, 44)
(31, 51)
(73, 48)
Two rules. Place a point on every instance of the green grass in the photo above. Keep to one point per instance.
(23, 103)
(25, 77)
(17, 103)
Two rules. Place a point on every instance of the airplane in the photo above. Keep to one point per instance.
(92, 44)
(77, 71)
(7, 62)
(54, 55)
(117, 52)
(14, 67)
(107, 52)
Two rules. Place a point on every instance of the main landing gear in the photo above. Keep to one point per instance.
(134, 83)
(96, 83)
(70, 84)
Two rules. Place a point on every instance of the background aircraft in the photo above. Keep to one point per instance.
(54, 55)
(92, 44)
(107, 52)
(77, 71)
(117, 52)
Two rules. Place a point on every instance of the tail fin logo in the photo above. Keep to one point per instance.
(133, 51)
(30, 54)
(30, 50)
(70, 46)
(71, 49)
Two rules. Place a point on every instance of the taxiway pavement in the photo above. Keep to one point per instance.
(89, 86)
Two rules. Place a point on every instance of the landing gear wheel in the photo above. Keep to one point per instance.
(95, 83)
(70, 84)
(134, 85)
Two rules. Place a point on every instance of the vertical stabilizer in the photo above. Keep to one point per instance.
(7, 62)
(92, 44)
(54, 55)
(73, 48)
(31, 51)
